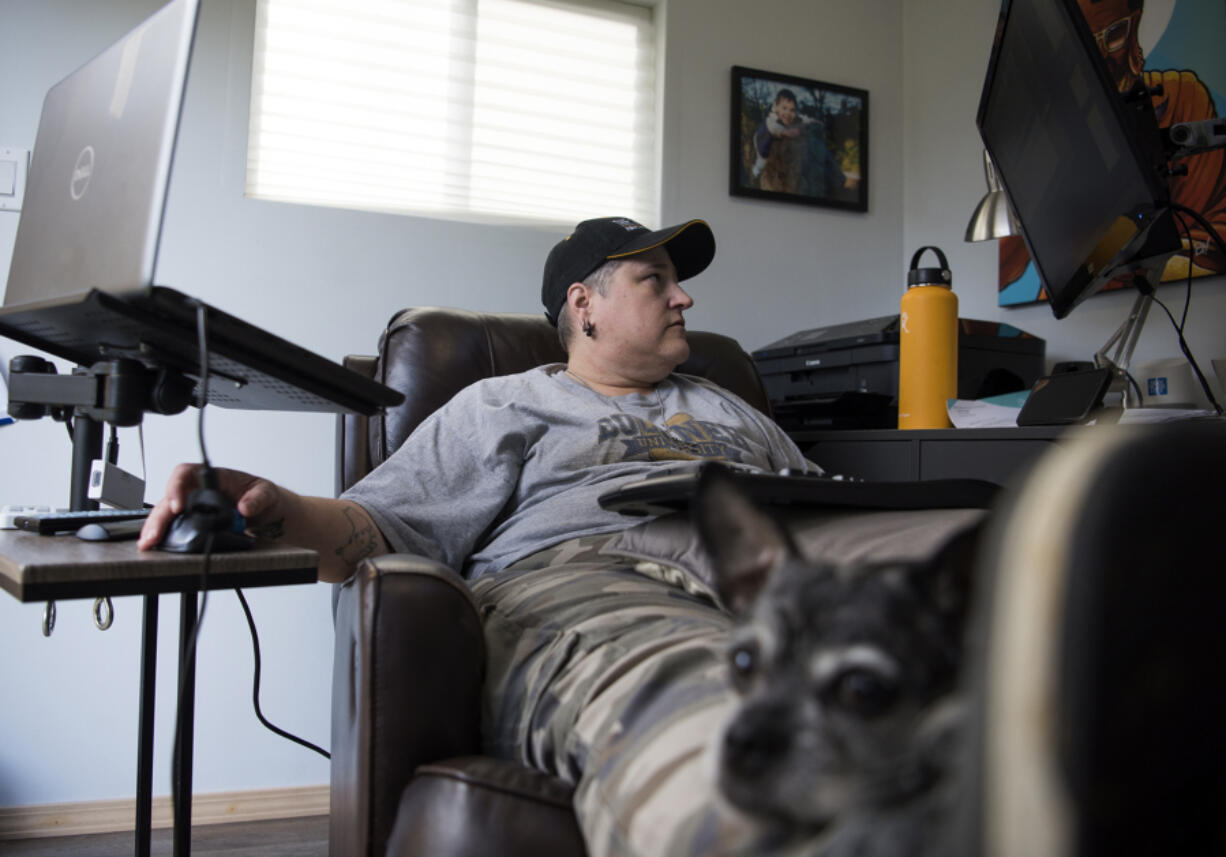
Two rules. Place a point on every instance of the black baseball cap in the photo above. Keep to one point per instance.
(691, 246)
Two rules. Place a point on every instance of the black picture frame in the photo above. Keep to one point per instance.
(813, 153)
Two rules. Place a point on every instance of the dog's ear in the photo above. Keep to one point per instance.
(744, 545)
(958, 580)
(947, 580)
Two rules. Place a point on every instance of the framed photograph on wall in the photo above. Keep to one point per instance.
(798, 140)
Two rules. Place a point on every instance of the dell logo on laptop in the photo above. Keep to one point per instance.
(82, 172)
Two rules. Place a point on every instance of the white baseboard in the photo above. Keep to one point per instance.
(108, 816)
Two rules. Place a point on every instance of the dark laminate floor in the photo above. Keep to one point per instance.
(294, 837)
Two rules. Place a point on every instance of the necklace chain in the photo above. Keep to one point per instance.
(613, 399)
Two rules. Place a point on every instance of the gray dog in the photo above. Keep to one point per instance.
(849, 716)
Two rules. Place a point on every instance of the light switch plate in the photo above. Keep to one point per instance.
(14, 165)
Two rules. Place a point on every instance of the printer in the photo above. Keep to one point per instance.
(846, 375)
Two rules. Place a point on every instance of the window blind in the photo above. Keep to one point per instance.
(468, 109)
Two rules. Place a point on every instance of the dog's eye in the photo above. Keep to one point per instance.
(743, 663)
(862, 692)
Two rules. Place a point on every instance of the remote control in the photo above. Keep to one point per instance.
(67, 522)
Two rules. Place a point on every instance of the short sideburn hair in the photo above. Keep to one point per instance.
(599, 281)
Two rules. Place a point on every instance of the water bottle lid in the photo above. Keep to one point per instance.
(929, 276)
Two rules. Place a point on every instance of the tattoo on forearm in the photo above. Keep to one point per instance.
(273, 530)
(363, 538)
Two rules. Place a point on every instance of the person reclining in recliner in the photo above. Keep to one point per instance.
(501, 484)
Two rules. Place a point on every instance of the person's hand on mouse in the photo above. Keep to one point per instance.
(340, 531)
(256, 499)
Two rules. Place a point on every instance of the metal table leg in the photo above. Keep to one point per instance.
(182, 773)
(144, 748)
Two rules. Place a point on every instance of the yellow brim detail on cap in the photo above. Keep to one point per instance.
(658, 243)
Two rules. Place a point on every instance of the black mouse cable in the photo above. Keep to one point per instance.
(1179, 325)
(188, 655)
(208, 480)
(255, 685)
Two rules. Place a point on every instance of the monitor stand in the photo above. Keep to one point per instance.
(1124, 342)
(119, 392)
(1066, 398)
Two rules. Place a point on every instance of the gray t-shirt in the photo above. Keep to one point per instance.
(514, 464)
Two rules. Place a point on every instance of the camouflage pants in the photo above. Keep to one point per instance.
(614, 681)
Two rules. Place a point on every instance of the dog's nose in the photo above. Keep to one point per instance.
(750, 748)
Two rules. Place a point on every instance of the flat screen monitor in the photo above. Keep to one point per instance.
(1082, 164)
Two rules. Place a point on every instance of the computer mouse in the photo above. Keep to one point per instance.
(207, 514)
(189, 533)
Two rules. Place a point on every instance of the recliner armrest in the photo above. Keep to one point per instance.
(406, 689)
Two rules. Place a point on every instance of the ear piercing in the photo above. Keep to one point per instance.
(588, 328)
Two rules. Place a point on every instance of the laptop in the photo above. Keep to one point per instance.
(81, 282)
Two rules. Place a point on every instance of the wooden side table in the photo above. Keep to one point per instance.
(48, 568)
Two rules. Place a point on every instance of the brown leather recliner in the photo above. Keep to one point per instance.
(407, 774)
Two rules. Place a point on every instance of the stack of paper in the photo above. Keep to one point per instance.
(992, 412)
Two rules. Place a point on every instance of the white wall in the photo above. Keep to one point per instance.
(782, 267)
(328, 279)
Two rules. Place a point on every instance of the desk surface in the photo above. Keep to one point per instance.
(41, 568)
(947, 434)
(994, 454)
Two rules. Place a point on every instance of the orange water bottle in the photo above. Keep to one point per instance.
(927, 346)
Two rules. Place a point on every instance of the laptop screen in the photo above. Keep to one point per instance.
(97, 184)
